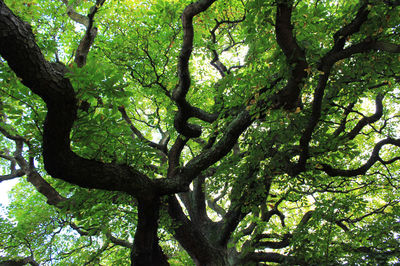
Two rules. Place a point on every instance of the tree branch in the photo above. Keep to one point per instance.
(198, 199)
(368, 120)
(179, 94)
(188, 235)
(364, 168)
(88, 38)
(272, 257)
(20, 262)
(354, 26)
(119, 242)
(75, 16)
(19, 49)
(272, 244)
(174, 156)
(327, 61)
(215, 62)
(288, 97)
(162, 148)
(210, 156)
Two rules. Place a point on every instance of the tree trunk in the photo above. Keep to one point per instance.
(146, 250)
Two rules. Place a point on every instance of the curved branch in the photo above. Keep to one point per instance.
(19, 49)
(364, 168)
(354, 26)
(217, 151)
(273, 244)
(179, 94)
(75, 16)
(368, 120)
(91, 32)
(364, 46)
(44, 188)
(174, 156)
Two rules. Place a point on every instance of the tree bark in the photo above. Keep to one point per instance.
(146, 250)
(195, 238)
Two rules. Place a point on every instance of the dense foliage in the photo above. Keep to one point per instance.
(221, 132)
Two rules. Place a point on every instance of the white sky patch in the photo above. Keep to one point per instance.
(5, 187)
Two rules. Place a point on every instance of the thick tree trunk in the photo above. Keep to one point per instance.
(195, 239)
(146, 250)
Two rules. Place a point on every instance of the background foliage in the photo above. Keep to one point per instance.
(339, 206)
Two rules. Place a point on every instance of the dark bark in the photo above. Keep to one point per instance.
(272, 257)
(288, 97)
(212, 155)
(195, 239)
(146, 250)
(159, 146)
(18, 48)
(368, 120)
(187, 111)
(90, 34)
(374, 157)
(326, 63)
(20, 262)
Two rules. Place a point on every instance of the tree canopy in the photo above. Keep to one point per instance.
(164, 132)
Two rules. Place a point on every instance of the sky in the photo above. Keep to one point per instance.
(5, 187)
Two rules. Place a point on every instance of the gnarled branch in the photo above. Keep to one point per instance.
(179, 94)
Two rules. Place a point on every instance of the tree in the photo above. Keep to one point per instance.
(246, 131)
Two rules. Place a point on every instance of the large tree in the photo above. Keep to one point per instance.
(214, 132)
